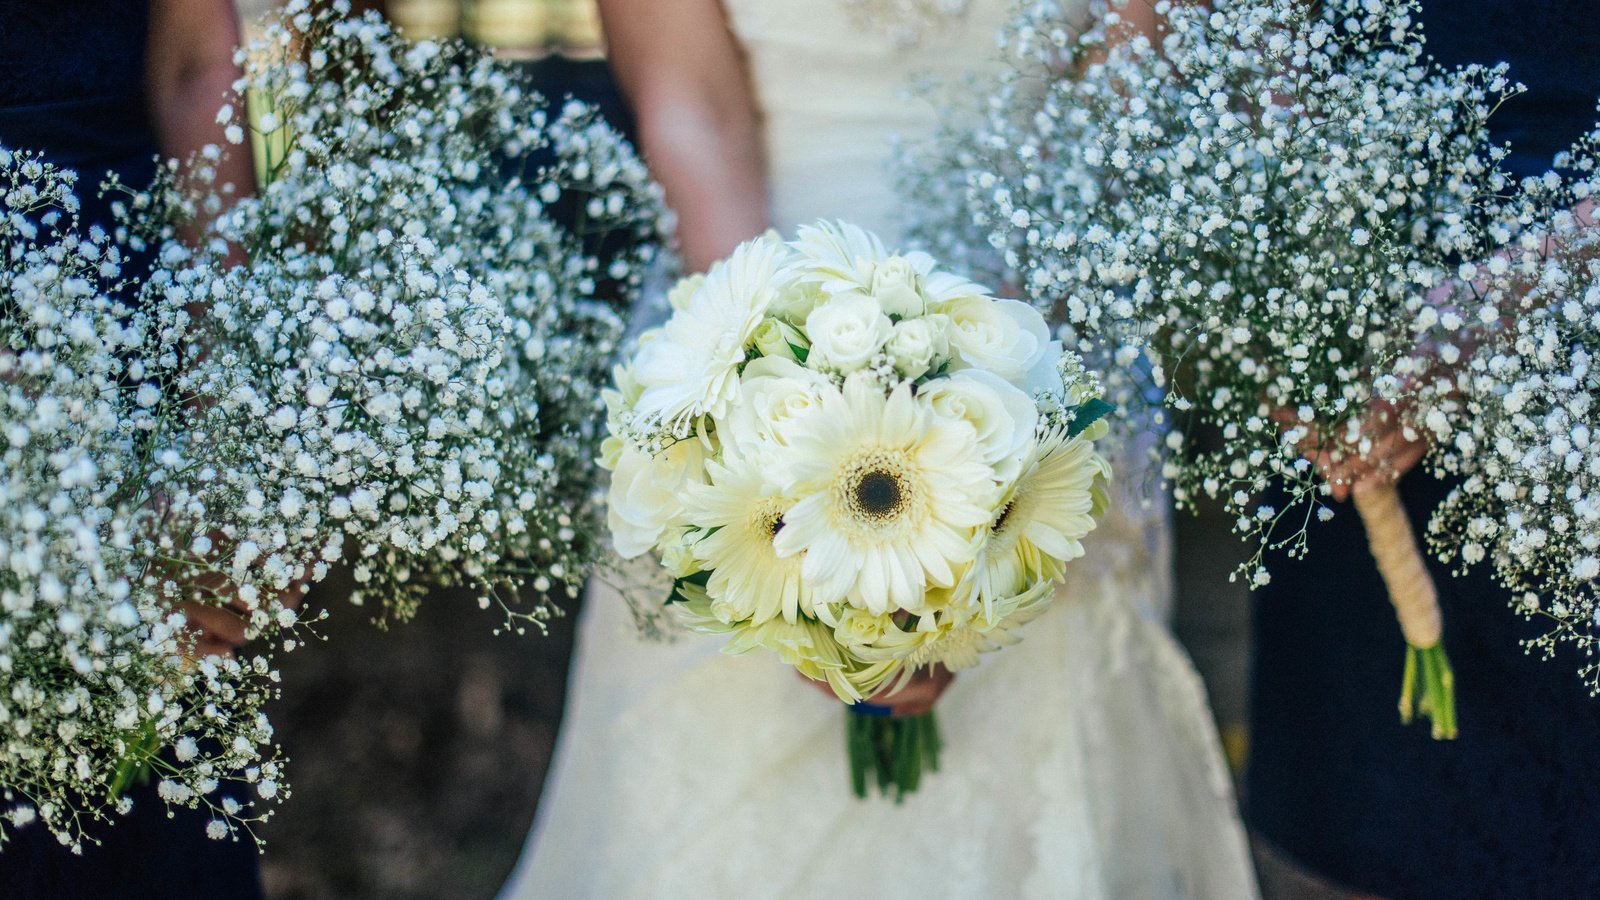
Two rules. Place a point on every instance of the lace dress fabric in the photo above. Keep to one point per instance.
(1081, 762)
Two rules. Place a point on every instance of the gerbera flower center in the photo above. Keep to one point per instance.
(878, 494)
(999, 524)
(768, 519)
(878, 488)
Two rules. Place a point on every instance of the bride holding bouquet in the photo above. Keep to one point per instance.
(1081, 762)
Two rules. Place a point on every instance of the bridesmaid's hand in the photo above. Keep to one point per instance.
(914, 699)
(1392, 453)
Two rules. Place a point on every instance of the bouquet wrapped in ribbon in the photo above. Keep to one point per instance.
(1256, 199)
(857, 461)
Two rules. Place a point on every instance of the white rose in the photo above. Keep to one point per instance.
(847, 332)
(1003, 416)
(776, 338)
(918, 345)
(1006, 337)
(645, 493)
(774, 392)
(795, 301)
(858, 628)
(896, 288)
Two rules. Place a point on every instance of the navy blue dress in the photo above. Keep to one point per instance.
(1511, 808)
(72, 87)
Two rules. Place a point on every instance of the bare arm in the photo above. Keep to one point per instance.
(684, 76)
(189, 73)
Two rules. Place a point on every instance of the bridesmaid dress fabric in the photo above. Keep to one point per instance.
(72, 87)
(1511, 808)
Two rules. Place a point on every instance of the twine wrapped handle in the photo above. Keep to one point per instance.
(1416, 604)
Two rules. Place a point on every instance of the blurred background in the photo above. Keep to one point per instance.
(417, 753)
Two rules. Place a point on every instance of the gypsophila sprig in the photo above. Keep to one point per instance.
(417, 345)
(1251, 203)
(855, 460)
(1254, 200)
(97, 674)
(1517, 424)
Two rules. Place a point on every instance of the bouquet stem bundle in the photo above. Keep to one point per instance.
(895, 751)
(1416, 604)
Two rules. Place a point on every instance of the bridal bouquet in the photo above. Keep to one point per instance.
(1256, 201)
(857, 461)
(97, 668)
(1517, 424)
(414, 350)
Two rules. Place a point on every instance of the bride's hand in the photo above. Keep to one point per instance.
(914, 699)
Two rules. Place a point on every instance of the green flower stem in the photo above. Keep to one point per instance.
(134, 766)
(1429, 688)
(895, 750)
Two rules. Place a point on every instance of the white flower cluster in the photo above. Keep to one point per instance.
(1519, 425)
(96, 666)
(1254, 200)
(853, 458)
(413, 354)
(395, 350)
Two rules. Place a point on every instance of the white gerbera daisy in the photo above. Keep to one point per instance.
(889, 496)
(1041, 525)
(691, 367)
(743, 512)
(838, 256)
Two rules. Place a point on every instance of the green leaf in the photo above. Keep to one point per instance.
(696, 580)
(1088, 413)
(134, 765)
(800, 353)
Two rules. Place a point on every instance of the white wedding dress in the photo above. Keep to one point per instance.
(1080, 763)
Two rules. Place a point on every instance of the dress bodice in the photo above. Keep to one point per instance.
(836, 88)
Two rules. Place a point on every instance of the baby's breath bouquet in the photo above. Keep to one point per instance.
(395, 350)
(98, 671)
(1255, 199)
(1517, 424)
(409, 326)
(857, 461)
